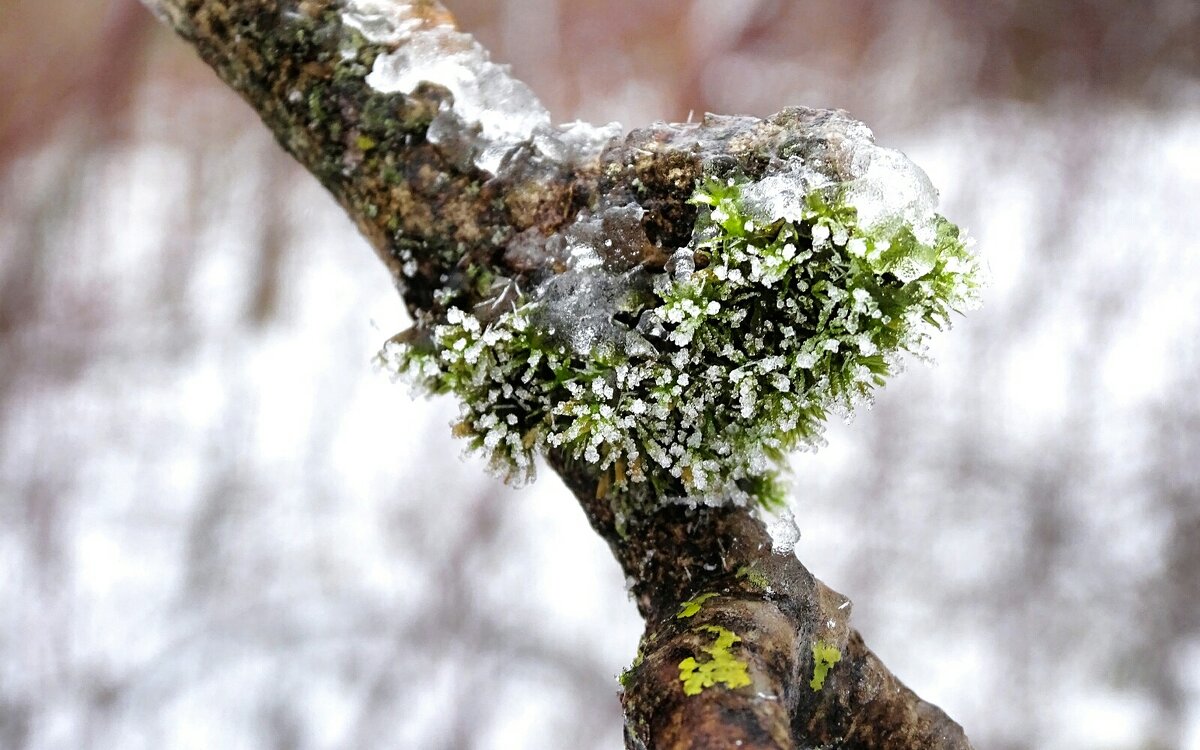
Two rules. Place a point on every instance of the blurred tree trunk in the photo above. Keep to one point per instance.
(431, 215)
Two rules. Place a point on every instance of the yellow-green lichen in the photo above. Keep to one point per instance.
(721, 666)
(824, 657)
(692, 606)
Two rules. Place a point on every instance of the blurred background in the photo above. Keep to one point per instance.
(220, 527)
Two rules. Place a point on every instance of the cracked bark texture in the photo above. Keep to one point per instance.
(418, 203)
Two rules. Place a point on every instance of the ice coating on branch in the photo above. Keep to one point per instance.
(603, 253)
(783, 195)
(613, 238)
(890, 189)
(886, 189)
(574, 142)
(381, 21)
(784, 533)
(505, 109)
(486, 96)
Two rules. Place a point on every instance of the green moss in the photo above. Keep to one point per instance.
(753, 576)
(481, 279)
(692, 606)
(720, 666)
(627, 674)
(316, 105)
(824, 657)
(783, 322)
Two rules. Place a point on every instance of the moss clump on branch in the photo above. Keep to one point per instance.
(626, 675)
(772, 319)
(754, 577)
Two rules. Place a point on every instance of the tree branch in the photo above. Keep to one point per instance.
(383, 101)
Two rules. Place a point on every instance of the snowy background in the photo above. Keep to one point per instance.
(220, 527)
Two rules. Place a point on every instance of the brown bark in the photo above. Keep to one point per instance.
(416, 202)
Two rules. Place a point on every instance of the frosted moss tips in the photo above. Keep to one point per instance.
(694, 382)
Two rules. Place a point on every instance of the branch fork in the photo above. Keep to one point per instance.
(444, 161)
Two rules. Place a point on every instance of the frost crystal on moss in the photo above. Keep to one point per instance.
(692, 384)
